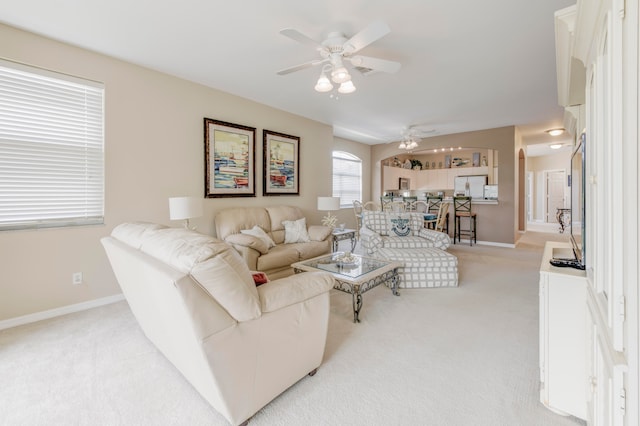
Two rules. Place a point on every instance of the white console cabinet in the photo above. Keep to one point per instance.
(563, 326)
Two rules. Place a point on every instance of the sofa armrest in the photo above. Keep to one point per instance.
(278, 294)
(319, 232)
(245, 240)
(371, 241)
(439, 239)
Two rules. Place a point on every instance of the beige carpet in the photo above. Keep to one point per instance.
(451, 356)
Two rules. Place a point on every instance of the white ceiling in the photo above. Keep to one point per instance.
(466, 65)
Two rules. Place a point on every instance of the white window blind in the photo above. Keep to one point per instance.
(347, 178)
(51, 149)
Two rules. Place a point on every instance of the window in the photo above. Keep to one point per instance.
(51, 149)
(347, 178)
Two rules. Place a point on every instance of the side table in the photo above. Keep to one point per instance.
(343, 234)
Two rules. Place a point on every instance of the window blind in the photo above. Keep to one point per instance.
(347, 178)
(51, 149)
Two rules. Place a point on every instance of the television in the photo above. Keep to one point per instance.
(577, 185)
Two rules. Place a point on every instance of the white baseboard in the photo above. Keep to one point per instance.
(549, 227)
(487, 243)
(39, 316)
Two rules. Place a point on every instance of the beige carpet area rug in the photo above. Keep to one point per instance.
(449, 356)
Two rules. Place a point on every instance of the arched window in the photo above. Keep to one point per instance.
(347, 178)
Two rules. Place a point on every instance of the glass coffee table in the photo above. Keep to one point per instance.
(355, 278)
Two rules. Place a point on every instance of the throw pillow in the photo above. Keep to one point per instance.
(260, 278)
(257, 232)
(399, 225)
(295, 231)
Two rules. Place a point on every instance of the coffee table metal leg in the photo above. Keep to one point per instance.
(357, 305)
(394, 283)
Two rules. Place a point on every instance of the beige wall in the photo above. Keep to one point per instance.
(496, 224)
(153, 150)
(363, 152)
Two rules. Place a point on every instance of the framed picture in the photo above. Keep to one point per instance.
(476, 159)
(229, 152)
(404, 184)
(281, 163)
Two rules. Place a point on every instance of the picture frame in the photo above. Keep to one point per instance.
(404, 184)
(229, 151)
(281, 171)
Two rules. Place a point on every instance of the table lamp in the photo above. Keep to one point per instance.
(185, 208)
(329, 204)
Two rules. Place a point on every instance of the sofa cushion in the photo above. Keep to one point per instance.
(258, 232)
(278, 214)
(295, 231)
(404, 224)
(279, 256)
(133, 233)
(215, 265)
(227, 279)
(410, 242)
(319, 233)
(310, 249)
(233, 220)
(376, 221)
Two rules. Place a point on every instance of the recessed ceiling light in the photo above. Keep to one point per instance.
(555, 132)
(555, 146)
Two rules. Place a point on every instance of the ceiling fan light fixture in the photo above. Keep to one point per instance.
(402, 145)
(323, 84)
(347, 87)
(340, 75)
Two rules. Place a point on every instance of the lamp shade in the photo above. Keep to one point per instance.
(184, 207)
(328, 203)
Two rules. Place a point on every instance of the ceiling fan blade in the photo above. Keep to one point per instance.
(301, 66)
(301, 38)
(374, 31)
(374, 64)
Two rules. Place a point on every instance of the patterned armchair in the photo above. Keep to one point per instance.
(398, 231)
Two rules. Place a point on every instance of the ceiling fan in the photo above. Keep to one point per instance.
(412, 136)
(337, 49)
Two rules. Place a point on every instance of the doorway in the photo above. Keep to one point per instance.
(555, 196)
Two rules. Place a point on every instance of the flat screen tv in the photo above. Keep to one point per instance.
(577, 224)
(578, 201)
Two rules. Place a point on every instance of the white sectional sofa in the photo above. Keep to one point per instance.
(194, 297)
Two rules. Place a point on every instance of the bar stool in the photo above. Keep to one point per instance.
(462, 208)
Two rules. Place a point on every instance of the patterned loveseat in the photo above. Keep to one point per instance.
(398, 231)
(403, 238)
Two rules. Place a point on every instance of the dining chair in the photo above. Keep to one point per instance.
(371, 206)
(357, 211)
(410, 203)
(442, 222)
(385, 202)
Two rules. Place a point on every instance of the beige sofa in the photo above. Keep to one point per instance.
(275, 261)
(239, 345)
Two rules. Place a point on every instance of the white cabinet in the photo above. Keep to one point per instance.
(443, 179)
(597, 47)
(391, 177)
(563, 371)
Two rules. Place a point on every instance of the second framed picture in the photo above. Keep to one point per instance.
(281, 163)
